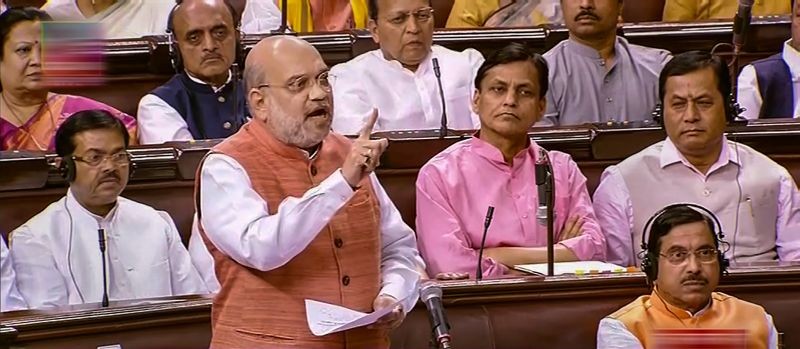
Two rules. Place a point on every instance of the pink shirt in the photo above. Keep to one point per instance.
(455, 188)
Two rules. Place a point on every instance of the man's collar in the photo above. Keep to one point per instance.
(792, 58)
(216, 89)
(74, 207)
(680, 313)
(670, 155)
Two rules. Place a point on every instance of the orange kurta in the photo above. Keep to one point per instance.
(256, 309)
(650, 313)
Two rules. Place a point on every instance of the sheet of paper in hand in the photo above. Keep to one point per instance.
(324, 318)
(699, 338)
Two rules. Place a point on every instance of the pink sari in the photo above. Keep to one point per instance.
(39, 132)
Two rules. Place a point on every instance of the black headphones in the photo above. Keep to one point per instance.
(174, 50)
(69, 172)
(732, 111)
(650, 258)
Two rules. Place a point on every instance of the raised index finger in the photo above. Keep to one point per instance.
(366, 130)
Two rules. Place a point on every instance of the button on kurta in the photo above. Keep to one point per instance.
(338, 243)
(313, 170)
(346, 280)
(227, 125)
(221, 99)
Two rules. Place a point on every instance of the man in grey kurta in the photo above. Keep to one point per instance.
(596, 76)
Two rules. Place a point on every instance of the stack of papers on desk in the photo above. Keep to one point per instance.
(580, 268)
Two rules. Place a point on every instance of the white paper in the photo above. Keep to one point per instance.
(324, 318)
(582, 267)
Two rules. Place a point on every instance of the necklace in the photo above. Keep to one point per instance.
(22, 124)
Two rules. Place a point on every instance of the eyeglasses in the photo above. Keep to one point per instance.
(95, 159)
(678, 257)
(422, 15)
(302, 83)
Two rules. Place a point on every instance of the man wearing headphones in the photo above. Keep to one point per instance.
(756, 199)
(59, 253)
(683, 263)
(205, 98)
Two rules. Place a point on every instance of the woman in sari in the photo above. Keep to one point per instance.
(29, 113)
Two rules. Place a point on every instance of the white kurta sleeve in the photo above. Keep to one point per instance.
(202, 259)
(352, 105)
(38, 278)
(748, 94)
(158, 122)
(788, 221)
(260, 16)
(400, 258)
(183, 275)
(614, 211)
(236, 219)
(612, 334)
(10, 298)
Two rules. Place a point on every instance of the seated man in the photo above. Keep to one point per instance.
(56, 253)
(770, 88)
(205, 99)
(119, 18)
(694, 10)
(291, 211)
(496, 168)
(326, 15)
(400, 78)
(683, 263)
(10, 299)
(596, 76)
(504, 13)
(29, 112)
(756, 199)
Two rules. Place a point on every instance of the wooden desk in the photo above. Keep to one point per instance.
(558, 312)
(164, 173)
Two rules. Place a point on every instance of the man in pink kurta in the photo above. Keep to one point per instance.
(496, 168)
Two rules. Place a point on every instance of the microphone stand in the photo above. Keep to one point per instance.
(548, 185)
(284, 28)
(101, 235)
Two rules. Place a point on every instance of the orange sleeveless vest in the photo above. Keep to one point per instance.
(649, 313)
(256, 309)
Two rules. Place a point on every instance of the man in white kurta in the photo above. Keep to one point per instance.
(10, 299)
(399, 79)
(58, 260)
(57, 253)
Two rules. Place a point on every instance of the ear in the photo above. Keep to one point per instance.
(373, 29)
(542, 105)
(258, 103)
(476, 98)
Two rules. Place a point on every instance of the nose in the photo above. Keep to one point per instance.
(412, 27)
(36, 56)
(693, 264)
(587, 4)
(317, 92)
(209, 44)
(692, 114)
(510, 99)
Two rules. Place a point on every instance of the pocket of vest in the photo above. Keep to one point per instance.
(261, 335)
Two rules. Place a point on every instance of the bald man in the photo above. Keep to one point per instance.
(290, 211)
(204, 100)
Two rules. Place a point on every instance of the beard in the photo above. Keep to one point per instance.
(295, 130)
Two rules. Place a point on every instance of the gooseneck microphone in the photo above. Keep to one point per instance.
(284, 17)
(486, 223)
(101, 238)
(544, 212)
(438, 73)
(741, 23)
(431, 295)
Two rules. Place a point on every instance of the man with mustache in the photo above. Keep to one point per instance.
(291, 211)
(596, 76)
(56, 253)
(684, 263)
(756, 199)
(400, 78)
(205, 98)
(496, 167)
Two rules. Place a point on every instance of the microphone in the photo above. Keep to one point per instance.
(486, 223)
(284, 17)
(741, 23)
(101, 236)
(237, 123)
(431, 295)
(542, 170)
(438, 73)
